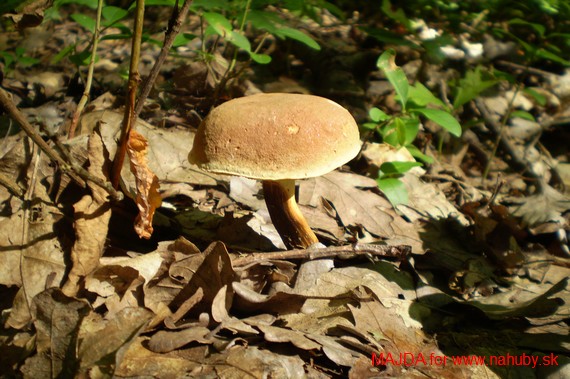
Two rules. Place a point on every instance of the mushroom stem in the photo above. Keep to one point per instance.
(286, 215)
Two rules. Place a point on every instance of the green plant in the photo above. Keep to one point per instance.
(400, 130)
(18, 57)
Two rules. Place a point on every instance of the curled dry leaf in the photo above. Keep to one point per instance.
(148, 198)
(213, 274)
(281, 303)
(92, 215)
(165, 341)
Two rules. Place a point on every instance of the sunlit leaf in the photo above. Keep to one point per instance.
(421, 96)
(443, 119)
(377, 115)
(395, 75)
(394, 190)
(397, 168)
(471, 86)
(219, 23)
(523, 115)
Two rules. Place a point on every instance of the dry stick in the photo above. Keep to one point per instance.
(528, 69)
(89, 80)
(178, 16)
(11, 186)
(343, 252)
(134, 78)
(76, 172)
(516, 161)
(17, 116)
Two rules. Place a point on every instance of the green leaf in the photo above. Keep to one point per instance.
(27, 61)
(88, 3)
(397, 168)
(116, 36)
(401, 131)
(239, 40)
(394, 190)
(8, 58)
(377, 115)
(540, 29)
(395, 75)
(209, 5)
(537, 96)
(370, 125)
(297, 35)
(388, 37)
(63, 53)
(260, 58)
(471, 86)
(421, 96)
(416, 153)
(85, 21)
(443, 119)
(182, 39)
(545, 54)
(263, 20)
(221, 25)
(397, 15)
(81, 59)
(523, 115)
(113, 14)
(167, 3)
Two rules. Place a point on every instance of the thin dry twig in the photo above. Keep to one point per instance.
(341, 252)
(176, 19)
(75, 172)
(517, 160)
(11, 186)
(90, 71)
(134, 79)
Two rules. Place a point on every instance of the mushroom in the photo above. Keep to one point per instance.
(277, 138)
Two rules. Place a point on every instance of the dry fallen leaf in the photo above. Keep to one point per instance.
(359, 207)
(92, 215)
(147, 198)
(56, 319)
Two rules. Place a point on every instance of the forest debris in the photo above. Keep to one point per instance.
(358, 207)
(213, 273)
(56, 319)
(103, 342)
(92, 215)
(148, 199)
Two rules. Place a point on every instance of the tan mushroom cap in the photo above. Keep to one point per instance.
(276, 136)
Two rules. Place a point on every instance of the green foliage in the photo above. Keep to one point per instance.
(471, 86)
(389, 183)
(16, 58)
(402, 129)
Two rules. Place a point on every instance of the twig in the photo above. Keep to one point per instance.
(342, 252)
(134, 78)
(11, 186)
(17, 116)
(176, 19)
(76, 172)
(91, 68)
(516, 161)
(531, 70)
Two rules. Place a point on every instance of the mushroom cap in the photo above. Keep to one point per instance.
(276, 136)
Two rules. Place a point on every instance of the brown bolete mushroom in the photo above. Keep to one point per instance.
(277, 138)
